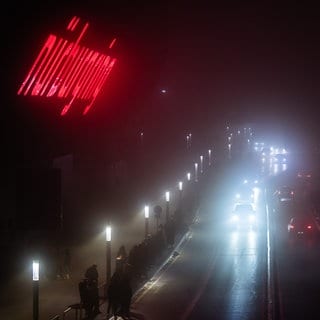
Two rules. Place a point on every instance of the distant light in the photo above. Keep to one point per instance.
(167, 196)
(180, 185)
(163, 91)
(189, 176)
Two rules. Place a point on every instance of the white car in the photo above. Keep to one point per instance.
(244, 216)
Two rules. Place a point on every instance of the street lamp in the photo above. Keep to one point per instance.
(167, 205)
(180, 193)
(196, 172)
(35, 278)
(209, 156)
(201, 164)
(146, 216)
(108, 254)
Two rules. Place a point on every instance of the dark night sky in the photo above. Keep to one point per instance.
(228, 62)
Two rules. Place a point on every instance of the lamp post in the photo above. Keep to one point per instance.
(167, 205)
(108, 254)
(196, 172)
(209, 156)
(180, 193)
(201, 164)
(35, 279)
(146, 216)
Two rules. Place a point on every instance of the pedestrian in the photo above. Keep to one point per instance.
(85, 300)
(114, 294)
(125, 296)
(122, 257)
(67, 263)
(93, 294)
(170, 232)
(92, 273)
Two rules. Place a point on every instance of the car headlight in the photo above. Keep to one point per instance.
(234, 218)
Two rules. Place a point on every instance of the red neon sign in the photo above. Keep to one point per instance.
(64, 69)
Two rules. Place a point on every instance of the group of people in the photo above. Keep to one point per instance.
(119, 292)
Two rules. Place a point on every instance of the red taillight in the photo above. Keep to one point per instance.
(291, 226)
(309, 227)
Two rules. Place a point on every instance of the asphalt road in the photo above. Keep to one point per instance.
(217, 273)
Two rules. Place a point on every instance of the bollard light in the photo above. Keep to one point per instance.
(189, 176)
(180, 185)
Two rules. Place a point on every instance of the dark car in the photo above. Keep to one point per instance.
(284, 193)
(302, 226)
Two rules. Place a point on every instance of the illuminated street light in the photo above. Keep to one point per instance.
(188, 176)
(167, 205)
(146, 216)
(108, 254)
(209, 156)
(180, 193)
(35, 278)
(196, 172)
(201, 164)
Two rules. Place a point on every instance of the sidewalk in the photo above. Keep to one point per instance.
(55, 296)
(139, 287)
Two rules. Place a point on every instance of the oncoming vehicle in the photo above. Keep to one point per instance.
(244, 216)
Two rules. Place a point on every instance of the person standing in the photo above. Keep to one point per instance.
(92, 276)
(114, 294)
(92, 273)
(125, 296)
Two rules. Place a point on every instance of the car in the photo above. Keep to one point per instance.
(244, 216)
(284, 193)
(279, 158)
(302, 226)
(245, 193)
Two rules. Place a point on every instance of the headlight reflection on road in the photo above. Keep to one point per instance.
(244, 267)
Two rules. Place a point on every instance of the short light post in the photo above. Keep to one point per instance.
(108, 254)
(209, 157)
(167, 206)
(146, 219)
(180, 193)
(189, 176)
(35, 279)
(201, 164)
(196, 172)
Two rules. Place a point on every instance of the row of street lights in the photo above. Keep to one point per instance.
(108, 231)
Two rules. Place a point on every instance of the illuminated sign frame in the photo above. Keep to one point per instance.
(66, 70)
